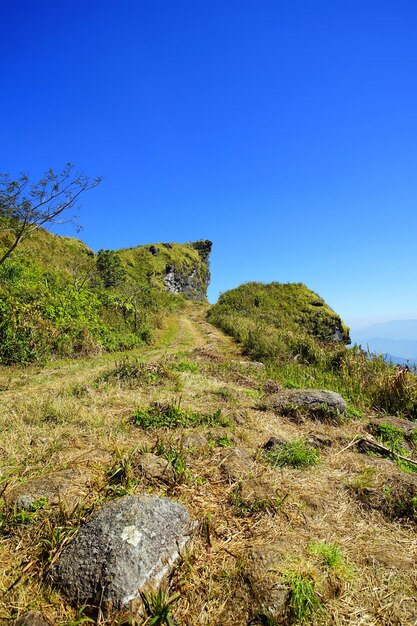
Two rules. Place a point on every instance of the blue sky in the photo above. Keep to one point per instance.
(286, 132)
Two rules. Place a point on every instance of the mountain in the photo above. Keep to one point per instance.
(397, 337)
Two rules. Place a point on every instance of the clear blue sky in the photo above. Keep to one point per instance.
(286, 132)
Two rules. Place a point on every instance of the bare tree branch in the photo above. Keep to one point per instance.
(26, 206)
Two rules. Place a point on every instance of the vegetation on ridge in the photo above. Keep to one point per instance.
(302, 342)
(57, 298)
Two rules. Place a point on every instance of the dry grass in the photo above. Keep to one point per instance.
(59, 418)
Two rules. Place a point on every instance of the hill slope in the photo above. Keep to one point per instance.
(58, 298)
(322, 534)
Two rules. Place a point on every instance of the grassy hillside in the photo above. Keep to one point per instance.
(302, 340)
(57, 298)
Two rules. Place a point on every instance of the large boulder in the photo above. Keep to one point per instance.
(317, 403)
(128, 547)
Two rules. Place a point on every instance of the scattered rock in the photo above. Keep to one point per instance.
(191, 441)
(320, 441)
(271, 386)
(409, 429)
(270, 594)
(129, 546)
(257, 493)
(68, 487)
(33, 618)
(215, 434)
(274, 442)
(154, 250)
(236, 463)
(154, 467)
(394, 495)
(316, 403)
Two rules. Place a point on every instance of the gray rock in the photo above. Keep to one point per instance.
(308, 401)
(129, 546)
(274, 442)
(236, 463)
(258, 493)
(155, 467)
(67, 487)
(191, 281)
(33, 618)
(270, 594)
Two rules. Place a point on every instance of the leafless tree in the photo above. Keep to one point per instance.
(26, 206)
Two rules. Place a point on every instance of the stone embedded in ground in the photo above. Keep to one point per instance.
(274, 442)
(236, 463)
(319, 441)
(129, 546)
(270, 594)
(311, 402)
(409, 429)
(258, 493)
(68, 487)
(33, 618)
(191, 441)
(155, 467)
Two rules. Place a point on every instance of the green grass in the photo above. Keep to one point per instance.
(297, 453)
(172, 415)
(174, 453)
(304, 604)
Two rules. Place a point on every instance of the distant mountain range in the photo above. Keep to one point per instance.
(396, 340)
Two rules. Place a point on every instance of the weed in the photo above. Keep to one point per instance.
(304, 604)
(186, 366)
(158, 607)
(223, 393)
(391, 436)
(132, 371)
(331, 556)
(223, 441)
(172, 415)
(122, 474)
(295, 453)
(256, 505)
(175, 454)
(80, 618)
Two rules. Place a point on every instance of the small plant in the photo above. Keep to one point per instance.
(158, 607)
(223, 441)
(175, 454)
(331, 556)
(295, 453)
(172, 415)
(122, 474)
(132, 371)
(304, 604)
(391, 436)
(12, 520)
(186, 366)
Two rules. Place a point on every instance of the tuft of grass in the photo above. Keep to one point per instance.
(304, 604)
(122, 474)
(172, 415)
(132, 371)
(158, 607)
(295, 453)
(331, 556)
(174, 453)
(186, 366)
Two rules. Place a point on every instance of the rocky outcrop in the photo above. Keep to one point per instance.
(191, 281)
